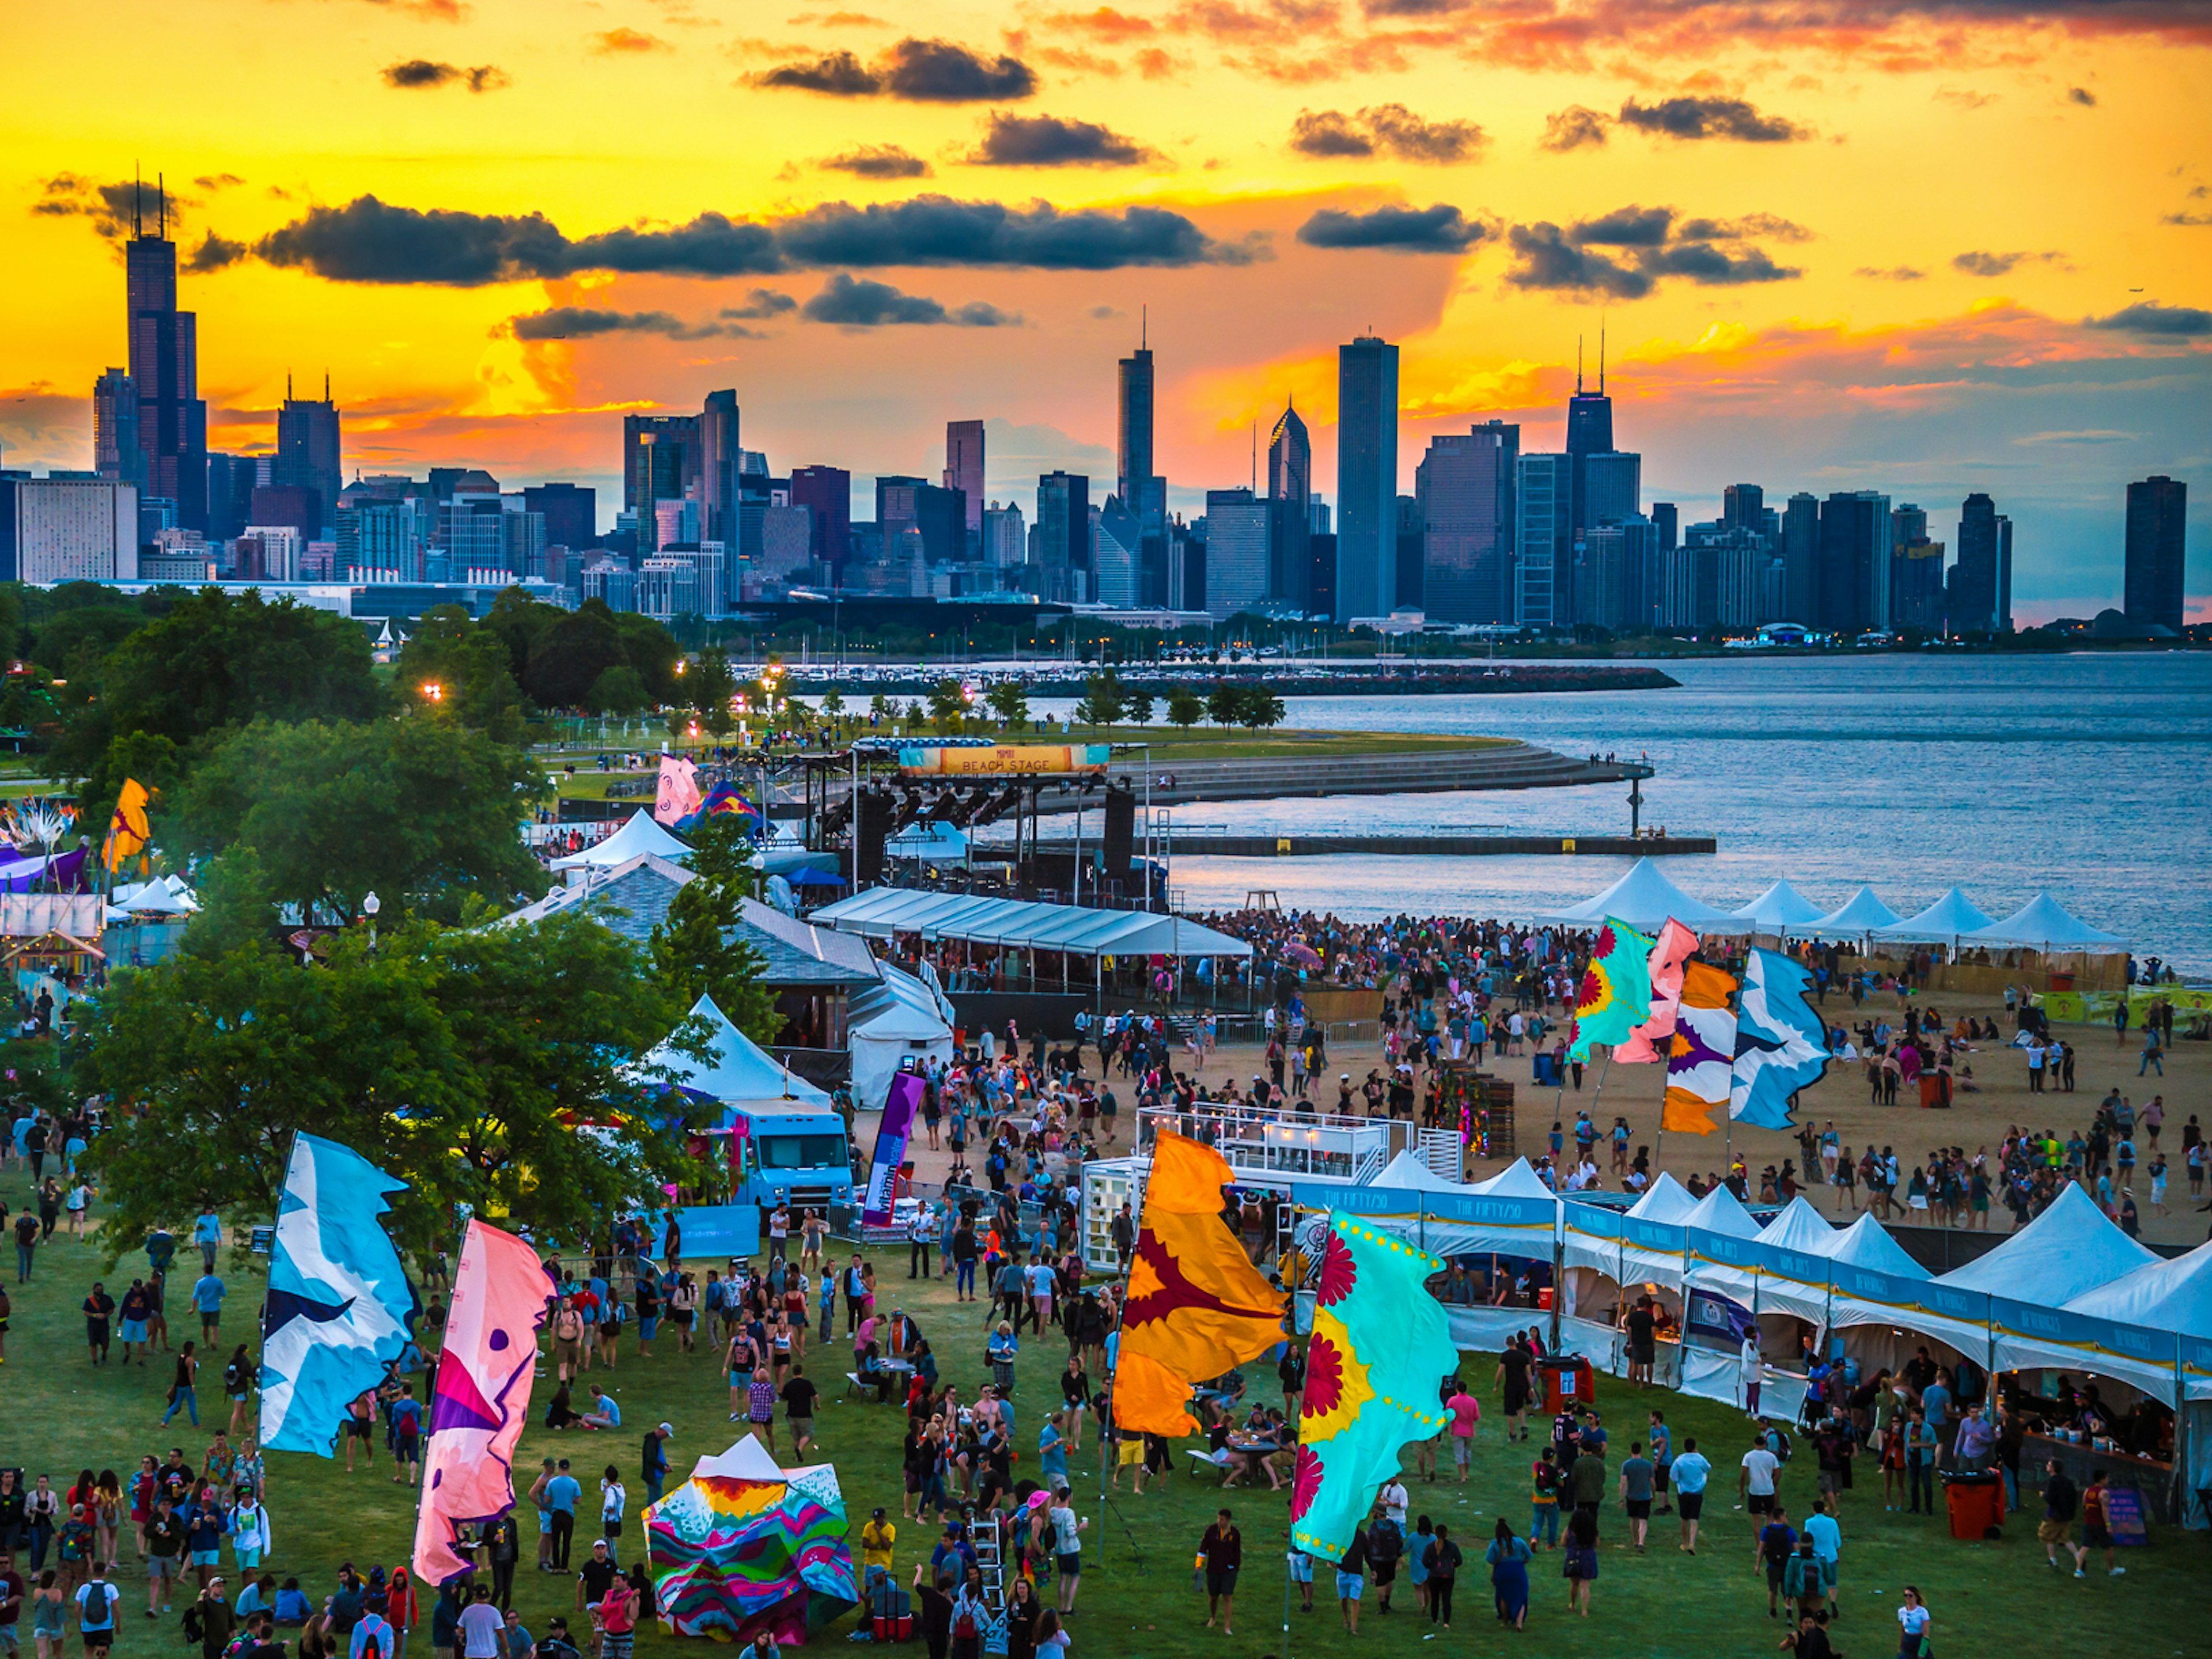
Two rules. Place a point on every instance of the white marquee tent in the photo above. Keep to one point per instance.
(639, 834)
(895, 1019)
(882, 912)
(1780, 909)
(1947, 922)
(736, 1071)
(2046, 925)
(1644, 898)
(1862, 914)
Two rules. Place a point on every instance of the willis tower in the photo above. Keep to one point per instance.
(165, 370)
(1589, 431)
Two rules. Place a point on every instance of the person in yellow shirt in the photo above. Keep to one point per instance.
(876, 1538)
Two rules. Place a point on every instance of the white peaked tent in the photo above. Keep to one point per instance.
(1666, 1200)
(1643, 898)
(639, 834)
(895, 1019)
(2070, 1249)
(737, 1070)
(1409, 1172)
(1780, 909)
(1867, 1243)
(2046, 925)
(1862, 914)
(1668, 1203)
(1718, 1211)
(1799, 1226)
(1516, 1180)
(2173, 1295)
(1947, 922)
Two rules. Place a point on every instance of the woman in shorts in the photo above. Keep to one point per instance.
(1580, 1568)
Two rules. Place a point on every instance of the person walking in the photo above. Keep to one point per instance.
(1508, 1558)
(1914, 1622)
(1690, 1471)
(1222, 1550)
(182, 1396)
(1441, 1560)
(1580, 1567)
(1636, 1475)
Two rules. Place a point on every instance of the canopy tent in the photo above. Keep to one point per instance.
(934, 842)
(1800, 1291)
(1644, 898)
(2046, 925)
(1867, 1243)
(882, 912)
(737, 1071)
(808, 876)
(1516, 1180)
(1780, 909)
(1799, 1226)
(2068, 1250)
(1947, 922)
(1667, 1201)
(639, 834)
(1720, 1212)
(2172, 1295)
(1862, 914)
(151, 898)
(896, 1020)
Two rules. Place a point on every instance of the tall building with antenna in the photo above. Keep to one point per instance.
(1290, 486)
(1589, 431)
(1137, 481)
(307, 453)
(165, 369)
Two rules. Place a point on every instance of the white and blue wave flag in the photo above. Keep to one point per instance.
(340, 1308)
(1781, 1044)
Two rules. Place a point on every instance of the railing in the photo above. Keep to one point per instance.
(1287, 1145)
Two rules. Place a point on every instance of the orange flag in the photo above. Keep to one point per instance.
(1196, 1305)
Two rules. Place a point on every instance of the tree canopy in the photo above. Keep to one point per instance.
(692, 950)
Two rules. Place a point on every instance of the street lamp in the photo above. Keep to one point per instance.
(433, 692)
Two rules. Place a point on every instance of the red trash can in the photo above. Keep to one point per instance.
(1567, 1380)
(1976, 1503)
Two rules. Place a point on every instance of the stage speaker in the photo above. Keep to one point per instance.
(873, 826)
(1120, 831)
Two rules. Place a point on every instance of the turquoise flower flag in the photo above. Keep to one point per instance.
(1379, 1350)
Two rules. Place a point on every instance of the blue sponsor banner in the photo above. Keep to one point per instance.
(1708, 1314)
(1594, 1220)
(1728, 1252)
(1802, 1265)
(1664, 1237)
(1948, 1302)
(2082, 1333)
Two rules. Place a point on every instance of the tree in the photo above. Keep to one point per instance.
(710, 685)
(1009, 700)
(833, 705)
(915, 716)
(567, 660)
(1223, 704)
(1186, 708)
(618, 690)
(1139, 703)
(948, 707)
(1102, 702)
(881, 708)
(458, 669)
(417, 810)
(1257, 706)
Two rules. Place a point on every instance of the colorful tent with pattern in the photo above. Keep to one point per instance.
(746, 1551)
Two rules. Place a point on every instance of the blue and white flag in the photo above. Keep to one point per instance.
(340, 1309)
(1781, 1044)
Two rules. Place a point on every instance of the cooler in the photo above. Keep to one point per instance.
(1567, 1380)
(1975, 1502)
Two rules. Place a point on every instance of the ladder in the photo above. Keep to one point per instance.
(991, 1557)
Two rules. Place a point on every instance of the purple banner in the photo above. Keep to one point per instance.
(900, 1104)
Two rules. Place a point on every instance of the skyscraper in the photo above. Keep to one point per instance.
(1366, 478)
(720, 463)
(1612, 487)
(571, 512)
(1406, 594)
(963, 468)
(307, 453)
(1544, 566)
(1971, 606)
(1465, 486)
(1062, 536)
(165, 370)
(116, 454)
(1289, 486)
(1854, 562)
(826, 492)
(1134, 455)
(1801, 560)
(1742, 506)
(2157, 552)
(1238, 538)
(661, 463)
(1589, 431)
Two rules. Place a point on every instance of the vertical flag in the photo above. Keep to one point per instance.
(1781, 1044)
(1701, 1052)
(1379, 1348)
(1615, 995)
(1648, 1041)
(339, 1307)
(901, 1103)
(480, 1403)
(677, 796)
(128, 831)
(1196, 1306)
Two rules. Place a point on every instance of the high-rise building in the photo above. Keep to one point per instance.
(307, 452)
(1916, 571)
(1667, 518)
(572, 513)
(1366, 479)
(1239, 537)
(1589, 431)
(1742, 505)
(963, 468)
(116, 454)
(1061, 542)
(1134, 453)
(230, 483)
(720, 462)
(1612, 487)
(1801, 560)
(1854, 562)
(1006, 536)
(1289, 486)
(1617, 585)
(1544, 566)
(385, 524)
(1406, 594)
(165, 370)
(661, 463)
(939, 515)
(294, 505)
(1465, 488)
(75, 529)
(2157, 552)
(1982, 572)
(826, 492)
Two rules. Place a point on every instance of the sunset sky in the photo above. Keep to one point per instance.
(1834, 244)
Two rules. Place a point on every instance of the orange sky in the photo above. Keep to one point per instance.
(1945, 248)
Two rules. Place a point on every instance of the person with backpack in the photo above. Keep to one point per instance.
(567, 1340)
(95, 1613)
(211, 1620)
(971, 1613)
(1441, 1560)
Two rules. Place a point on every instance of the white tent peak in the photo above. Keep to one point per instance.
(1800, 1227)
(2173, 1295)
(1667, 1201)
(747, 1459)
(1867, 1243)
(2071, 1248)
(1644, 898)
(1780, 909)
(740, 1072)
(1951, 917)
(1718, 1211)
(1861, 914)
(2047, 925)
(1406, 1170)
(639, 834)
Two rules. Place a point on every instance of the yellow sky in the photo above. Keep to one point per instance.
(2029, 171)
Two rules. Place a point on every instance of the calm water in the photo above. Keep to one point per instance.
(2086, 774)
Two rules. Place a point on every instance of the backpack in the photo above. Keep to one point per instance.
(191, 1626)
(1779, 1443)
(98, 1605)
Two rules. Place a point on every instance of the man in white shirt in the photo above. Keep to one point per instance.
(1755, 1479)
(481, 1626)
(1396, 1499)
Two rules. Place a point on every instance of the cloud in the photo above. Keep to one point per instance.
(1046, 141)
(2088, 436)
(614, 43)
(2149, 316)
(2187, 219)
(218, 180)
(213, 254)
(2082, 96)
(1689, 118)
(417, 73)
(367, 240)
(583, 323)
(1965, 98)
(1891, 273)
(840, 20)
(837, 74)
(111, 207)
(1439, 229)
(1572, 128)
(918, 71)
(1385, 128)
(1627, 252)
(1979, 263)
(851, 303)
(1106, 23)
(876, 162)
(761, 302)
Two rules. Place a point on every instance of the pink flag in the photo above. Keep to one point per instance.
(1649, 1041)
(481, 1401)
(677, 795)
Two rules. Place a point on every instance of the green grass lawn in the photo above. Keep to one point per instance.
(58, 1414)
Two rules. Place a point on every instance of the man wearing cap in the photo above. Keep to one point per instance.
(655, 1462)
(877, 1539)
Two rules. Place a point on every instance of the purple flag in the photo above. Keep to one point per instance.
(900, 1104)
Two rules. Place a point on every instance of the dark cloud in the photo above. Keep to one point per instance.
(1891, 274)
(1389, 128)
(839, 74)
(1439, 229)
(583, 323)
(417, 73)
(1046, 141)
(1643, 247)
(213, 254)
(1979, 263)
(857, 302)
(1708, 118)
(1715, 267)
(1628, 227)
(920, 71)
(1769, 225)
(2082, 96)
(878, 161)
(1329, 134)
(2187, 219)
(937, 230)
(1412, 8)
(1548, 260)
(218, 180)
(761, 302)
(2149, 316)
(1572, 128)
(109, 206)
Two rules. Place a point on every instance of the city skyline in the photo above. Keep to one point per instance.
(1268, 181)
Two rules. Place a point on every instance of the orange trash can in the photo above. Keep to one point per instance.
(1567, 1380)
(1976, 1503)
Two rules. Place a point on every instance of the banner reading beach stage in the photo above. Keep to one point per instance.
(999, 758)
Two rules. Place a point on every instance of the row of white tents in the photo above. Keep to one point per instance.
(1646, 898)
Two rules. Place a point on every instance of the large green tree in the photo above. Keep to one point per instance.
(697, 951)
(456, 669)
(419, 812)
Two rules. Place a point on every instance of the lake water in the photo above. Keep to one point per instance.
(2085, 775)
